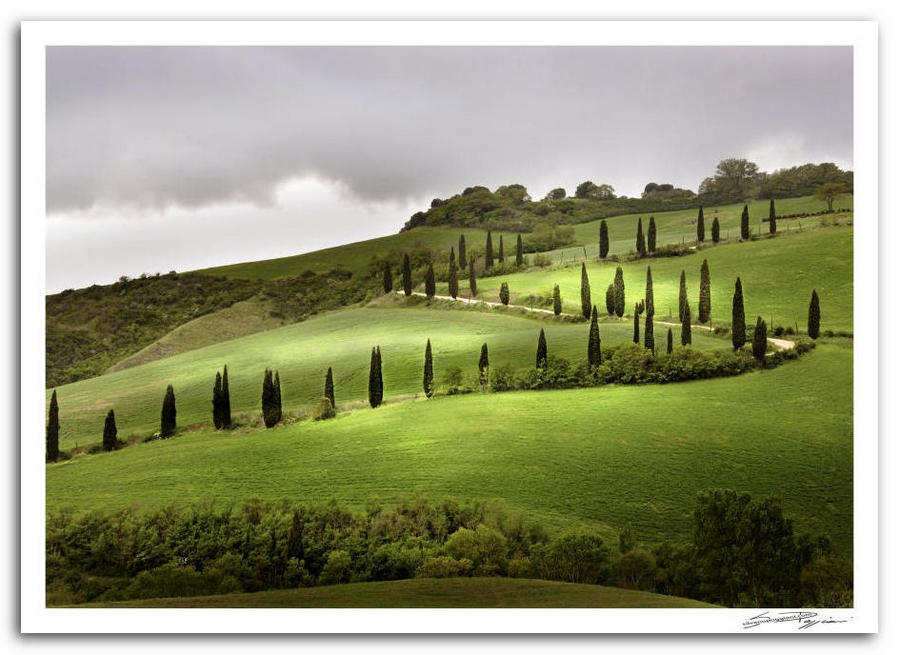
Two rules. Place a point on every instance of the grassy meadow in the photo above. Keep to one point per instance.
(429, 592)
(596, 457)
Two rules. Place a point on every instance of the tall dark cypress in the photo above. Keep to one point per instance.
(329, 388)
(619, 282)
(812, 322)
(217, 402)
(378, 378)
(428, 372)
(651, 235)
(167, 416)
(520, 251)
(226, 400)
(604, 239)
(540, 359)
(585, 292)
(682, 297)
(686, 326)
(387, 279)
(488, 252)
(610, 300)
(504, 293)
(640, 246)
(484, 367)
(53, 429)
(701, 226)
(715, 229)
(669, 342)
(649, 337)
(745, 224)
(429, 282)
(772, 227)
(463, 262)
(268, 400)
(407, 276)
(704, 306)
(110, 433)
(500, 254)
(759, 340)
(473, 285)
(738, 324)
(277, 388)
(376, 388)
(557, 300)
(648, 295)
(594, 355)
(637, 324)
(453, 280)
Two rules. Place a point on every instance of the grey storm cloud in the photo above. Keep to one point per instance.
(147, 128)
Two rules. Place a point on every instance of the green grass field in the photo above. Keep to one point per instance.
(302, 352)
(590, 457)
(428, 592)
(778, 276)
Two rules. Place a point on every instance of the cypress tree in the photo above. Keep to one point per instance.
(759, 340)
(649, 337)
(619, 282)
(277, 385)
(53, 429)
(378, 378)
(738, 325)
(604, 239)
(682, 297)
(376, 391)
(540, 360)
(268, 399)
(329, 387)
(812, 323)
(226, 400)
(585, 292)
(701, 226)
(745, 224)
(428, 374)
(473, 285)
(594, 355)
(453, 281)
(651, 235)
(772, 227)
(110, 433)
(407, 276)
(557, 300)
(488, 252)
(610, 300)
(648, 295)
(640, 246)
(217, 402)
(686, 326)
(167, 416)
(387, 280)
(669, 342)
(520, 251)
(500, 251)
(704, 306)
(504, 293)
(429, 282)
(637, 324)
(484, 367)
(463, 262)
(715, 229)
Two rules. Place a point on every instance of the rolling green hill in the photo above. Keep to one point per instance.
(302, 352)
(429, 592)
(596, 457)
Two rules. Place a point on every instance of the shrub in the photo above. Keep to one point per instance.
(453, 380)
(325, 410)
(504, 379)
(484, 546)
(443, 567)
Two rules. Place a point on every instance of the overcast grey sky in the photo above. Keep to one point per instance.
(181, 158)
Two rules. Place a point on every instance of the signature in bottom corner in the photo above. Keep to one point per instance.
(805, 620)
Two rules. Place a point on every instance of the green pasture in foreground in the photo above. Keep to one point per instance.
(430, 592)
(594, 458)
(778, 276)
(302, 353)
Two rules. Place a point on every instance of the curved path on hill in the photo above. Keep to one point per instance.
(780, 344)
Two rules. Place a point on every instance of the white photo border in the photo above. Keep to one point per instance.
(862, 36)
